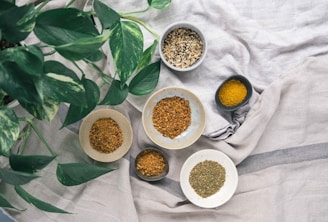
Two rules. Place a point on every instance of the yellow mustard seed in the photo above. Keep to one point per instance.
(232, 93)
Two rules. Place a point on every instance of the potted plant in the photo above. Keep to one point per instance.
(30, 75)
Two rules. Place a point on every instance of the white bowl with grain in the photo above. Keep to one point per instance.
(173, 118)
(182, 46)
(106, 135)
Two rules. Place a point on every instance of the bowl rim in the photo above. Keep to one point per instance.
(183, 24)
(152, 178)
(177, 143)
(226, 191)
(124, 125)
(249, 88)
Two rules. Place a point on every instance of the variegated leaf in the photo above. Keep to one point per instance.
(53, 28)
(9, 129)
(46, 110)
(28, 58)
(13, 80)
(76, 113)
(64, 88)
(159, 4)
(107, 16)
(82, 48)
(126, 44)
(16, 22)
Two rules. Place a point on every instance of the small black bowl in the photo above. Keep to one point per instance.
(249, 88)
(152, 178)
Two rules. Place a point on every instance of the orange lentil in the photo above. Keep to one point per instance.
(150, 163)
(172, 116)
(105, 135)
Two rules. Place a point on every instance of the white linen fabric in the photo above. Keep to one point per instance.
(279, 142)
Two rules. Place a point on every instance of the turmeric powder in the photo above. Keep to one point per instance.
(232, 93)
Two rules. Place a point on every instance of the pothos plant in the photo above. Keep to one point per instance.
(40, 84)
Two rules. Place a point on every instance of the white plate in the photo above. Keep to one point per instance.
(186, 138)
(226, 191)
(124, 125)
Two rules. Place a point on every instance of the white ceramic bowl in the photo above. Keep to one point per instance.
(186, 138)
(226, 191)
(187, 25)
(124, 125)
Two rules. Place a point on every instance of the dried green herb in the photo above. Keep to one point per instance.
(207, 178)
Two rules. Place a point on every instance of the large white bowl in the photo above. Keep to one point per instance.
(226, 191)
(186, 138)
(124, 125)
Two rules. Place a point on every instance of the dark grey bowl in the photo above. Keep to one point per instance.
(249, 88)
(152, 178)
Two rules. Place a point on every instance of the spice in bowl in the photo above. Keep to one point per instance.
(105, 135)
(233, 93)
(171, 116)
(207, 178)
(182, 46)
(151, 164)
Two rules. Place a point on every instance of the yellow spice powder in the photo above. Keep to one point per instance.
(232, 93)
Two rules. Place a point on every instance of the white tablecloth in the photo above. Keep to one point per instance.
(280, 148)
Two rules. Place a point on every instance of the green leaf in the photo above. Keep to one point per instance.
(147, 55)
(18, 84)
(15, 177)
(159, 4)
(5, 203)
(75, 112)
(71, 174)
(38, 203)
(46, 110)
(9, 129)
(62, 84)
(146, 80)
(96, 56)
(57, 67)
(16, 23)
(53, 28)
(126, 44)
(107, 16)
(28, 58)
(116, 94)
(82, 48)
(30, 163)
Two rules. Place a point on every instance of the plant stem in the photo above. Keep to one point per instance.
(38, 133)
(38, 9)
(135, 12)
(24, 136)
(78, 67)
(70, 3)
(106, 78)
(141, 23)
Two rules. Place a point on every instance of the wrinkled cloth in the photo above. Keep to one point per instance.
(279, 142)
